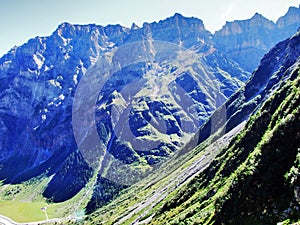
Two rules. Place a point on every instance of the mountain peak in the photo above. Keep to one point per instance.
(64, 25)
(178, 15)
(259, 18)
(134, 26)
(291, 18)
(190, 20)
(293, 9)
(40, 79)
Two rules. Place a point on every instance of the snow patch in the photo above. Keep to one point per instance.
(61, 97)
(58, 104)
(67, 56)
(75, 79)
(7, 62)
(55, 83)
(46, 68)
(39, 60)
(93, 60)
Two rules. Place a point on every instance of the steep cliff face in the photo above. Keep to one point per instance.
(273, 69)
(184, 31)
(254, 178)
(39, 80)
(158, 84)
(246, 41)
(290, 21)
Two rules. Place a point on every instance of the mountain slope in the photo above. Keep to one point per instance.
(246, 41)
(254, 180)
(160, 83)
(40, 79)
(254, 177)
(274, 68)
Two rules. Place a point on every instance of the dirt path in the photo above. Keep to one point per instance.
(209, 153)
(160, 194)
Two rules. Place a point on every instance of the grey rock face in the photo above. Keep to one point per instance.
(275, 67)
(247, 41)
(39, 80)
(158, 104)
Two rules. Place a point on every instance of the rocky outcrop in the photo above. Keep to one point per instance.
(170, 101)
(158, 85)
(246, 41)
(274, 68)
(253, 175)
(290, 21)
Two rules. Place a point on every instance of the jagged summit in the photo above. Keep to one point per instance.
(255, 36)
(39, 79)
(192, 21)
(253, 178)
(293, 10)
(67, 26)
(290, 19)
(246, 26)
(134, 26)
(259, 20)
(258, 16)
(178, 15)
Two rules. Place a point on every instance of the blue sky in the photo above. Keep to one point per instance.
(25, 19)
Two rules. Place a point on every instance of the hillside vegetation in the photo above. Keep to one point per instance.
(253, 180)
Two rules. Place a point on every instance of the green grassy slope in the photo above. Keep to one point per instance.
(253, 181)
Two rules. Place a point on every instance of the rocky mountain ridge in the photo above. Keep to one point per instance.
(247, 176)
(246, 41)
(38, 82)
